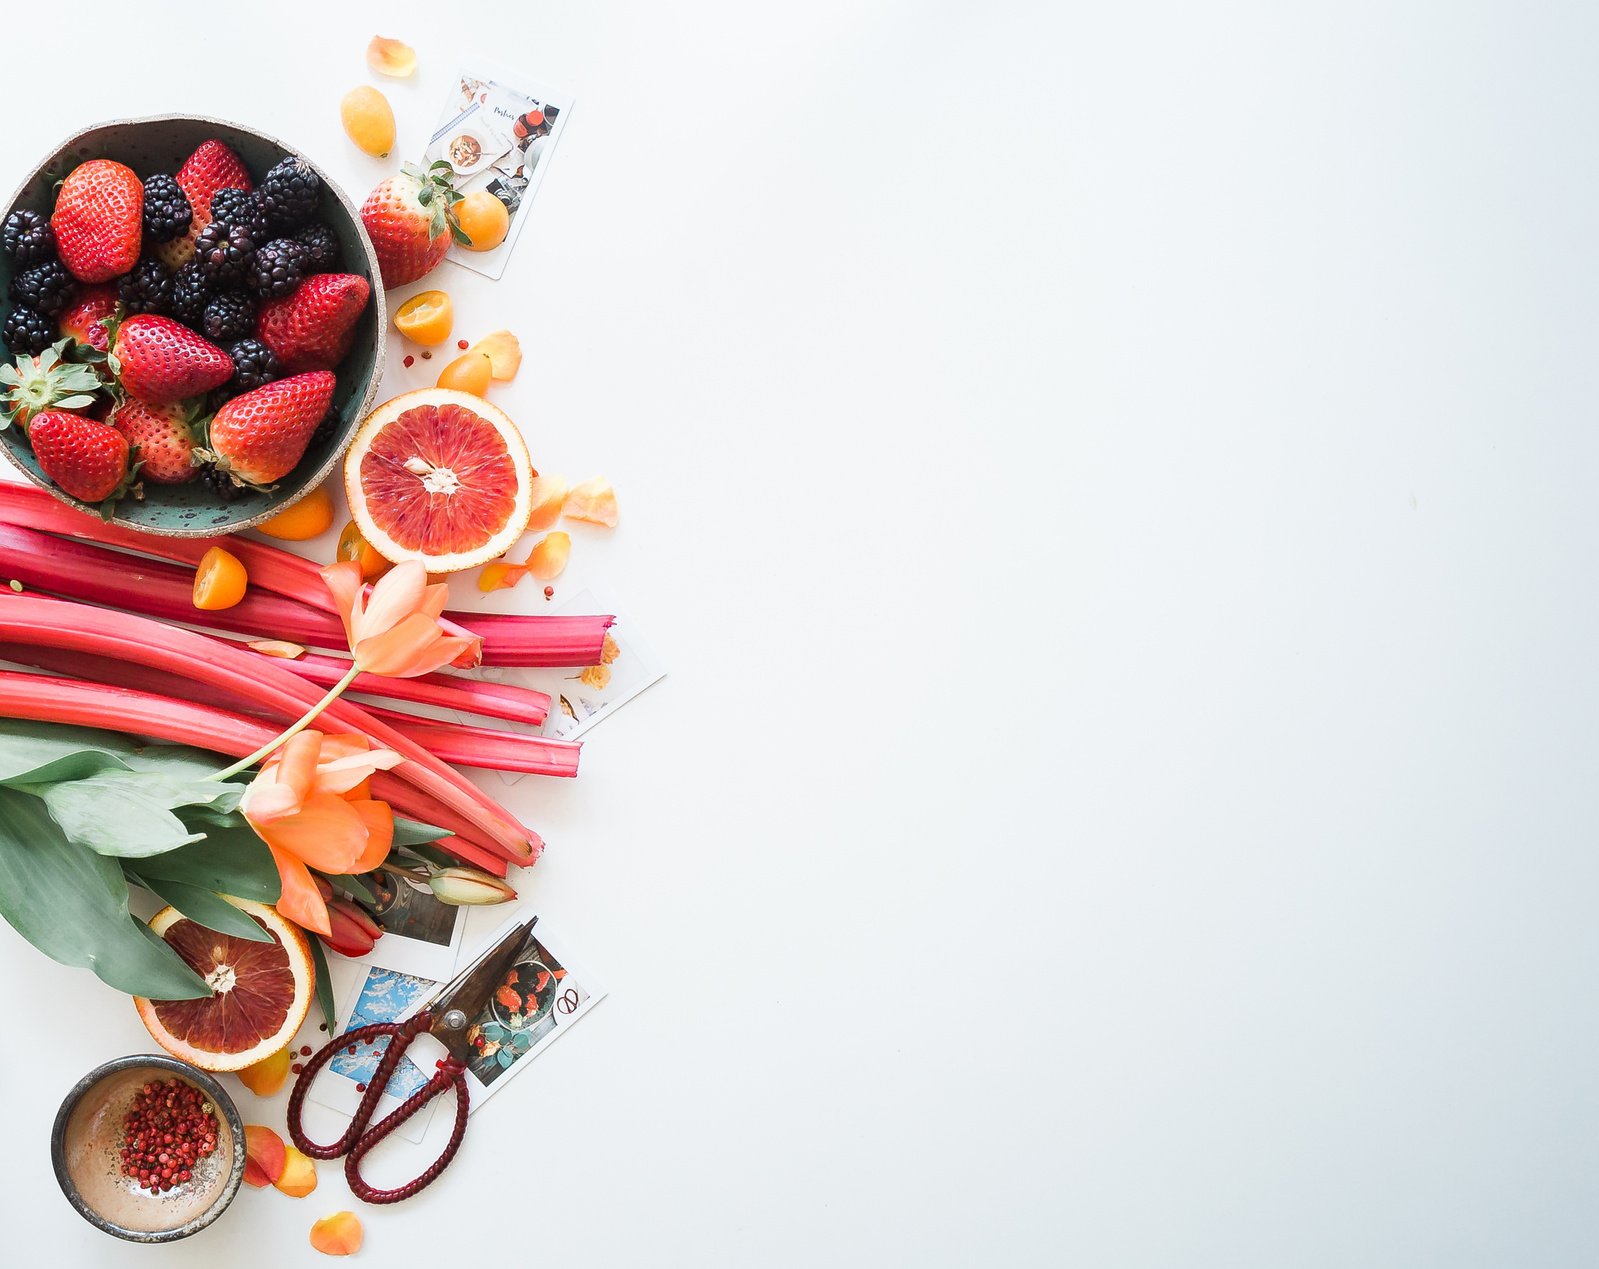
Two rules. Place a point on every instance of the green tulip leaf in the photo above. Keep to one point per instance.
(204, 907)
(130, 813)
(72, 904)
(229, 861)
(324, 984)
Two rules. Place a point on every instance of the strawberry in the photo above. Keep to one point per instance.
(35, 384)
(159, 360)
(85, 320)
(411, 221)
(257, 438)
(87, 459)
(99, 220)
(211, 167)
(313, 328)
(160, 434)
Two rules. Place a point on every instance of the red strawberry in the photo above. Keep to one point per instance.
(98, 220)
(257, 438)
(85, 320)
(160, 434)
(411, 221)
(211, 167)
(87, 459)
(313, 328)
(33, 385)
(159, 360)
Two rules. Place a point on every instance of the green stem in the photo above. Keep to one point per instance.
(272, 746)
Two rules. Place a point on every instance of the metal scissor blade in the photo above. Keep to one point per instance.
(468, 993)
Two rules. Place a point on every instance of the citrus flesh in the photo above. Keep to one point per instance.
(262, 991)
(439, 476)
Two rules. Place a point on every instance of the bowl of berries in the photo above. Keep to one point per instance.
(191, 324)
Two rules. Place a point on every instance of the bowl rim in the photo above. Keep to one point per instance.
(201, 1080)
(374, 382)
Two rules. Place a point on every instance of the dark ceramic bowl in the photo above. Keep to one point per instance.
(160, 144)
(86, 1144)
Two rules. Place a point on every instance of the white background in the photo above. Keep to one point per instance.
(1113, 484)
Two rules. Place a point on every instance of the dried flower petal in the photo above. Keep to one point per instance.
(504, 352)
(608, 650)
(394, 58)
(277, 648)
(299, 1175)
(547, 495)
(594, 501)
(266, 1077)
(499, 575)
(264, 1156)
(548, 558)
(337, 1235)
(596, 676)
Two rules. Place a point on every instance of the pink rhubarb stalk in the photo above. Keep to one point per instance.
(486, 747)
(42, 698)
(37, 620)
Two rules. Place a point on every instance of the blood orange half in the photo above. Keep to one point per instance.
(439, 476)
(262, 991)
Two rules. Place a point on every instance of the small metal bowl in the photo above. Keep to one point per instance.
(85, 1147)
(160, 144)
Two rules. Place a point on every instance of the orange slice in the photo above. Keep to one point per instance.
(262, 991)
(426, 318)
(439, 476)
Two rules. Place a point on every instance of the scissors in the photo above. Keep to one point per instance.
(447, 1015)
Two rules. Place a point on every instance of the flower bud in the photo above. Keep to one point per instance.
(351, 929)
(462, 886)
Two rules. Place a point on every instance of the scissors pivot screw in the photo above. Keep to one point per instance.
(454, 1019)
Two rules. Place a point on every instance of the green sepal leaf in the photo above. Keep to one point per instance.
(411, 833)
(205, 907)
(72, 905)
(324, 984)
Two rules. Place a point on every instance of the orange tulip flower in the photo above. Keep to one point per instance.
(395, 630)
(311, 804)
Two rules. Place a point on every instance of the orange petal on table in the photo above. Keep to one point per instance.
(264, 1156)
(265, 1077)
(277, 648)
(327, 834)
(301, 901)
(337, 1235)
(548, 558)
(594, 501)
(394, 58)
(379, 820)
(546, 495)
(499, 575)
(504, 352)
(299, 1174)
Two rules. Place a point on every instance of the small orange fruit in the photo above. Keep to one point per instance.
(354, 546)
(426, 318)
(368, 120)
(470, 372)
(220, 580)
(484, 219)
(311, 517)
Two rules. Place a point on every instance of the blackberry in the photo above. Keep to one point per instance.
(289, 193)
(254, 364)
(327, 429)
(190, 294)
(229, 316)
(221, 484)
(167, 214)
(28, 330)
(21, 235)
(321, 248)
(224, 253)
(47, 287)
(277, 267)
(147, 289)
(236, 207)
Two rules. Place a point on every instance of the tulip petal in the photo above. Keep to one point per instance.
(379, 821)
(415, 646)
(327, 833)
(301, 901)
(343, 581)
(297, 762)
(434, 598)
(395, 596)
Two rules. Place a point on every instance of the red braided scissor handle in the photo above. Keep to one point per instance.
(362, 1134)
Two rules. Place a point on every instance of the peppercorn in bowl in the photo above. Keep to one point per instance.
(191, 325)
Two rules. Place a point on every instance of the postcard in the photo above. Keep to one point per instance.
(501, 139)
(421, 936)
